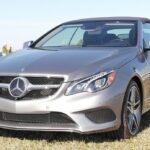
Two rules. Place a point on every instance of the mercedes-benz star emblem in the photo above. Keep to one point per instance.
(18, 87)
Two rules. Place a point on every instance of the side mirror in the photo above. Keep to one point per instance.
(27, 44)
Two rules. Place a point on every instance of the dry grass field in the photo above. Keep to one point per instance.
(17, 140)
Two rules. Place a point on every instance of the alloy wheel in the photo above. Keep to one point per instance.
(133, 110)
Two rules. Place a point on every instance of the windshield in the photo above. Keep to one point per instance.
(91, 34)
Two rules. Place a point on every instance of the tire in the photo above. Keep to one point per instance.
(131, 112)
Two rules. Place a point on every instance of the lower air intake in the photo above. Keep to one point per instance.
(101, 116)
(51, 118)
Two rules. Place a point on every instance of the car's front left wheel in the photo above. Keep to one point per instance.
(131, 112)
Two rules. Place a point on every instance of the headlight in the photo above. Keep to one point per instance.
(92, 84)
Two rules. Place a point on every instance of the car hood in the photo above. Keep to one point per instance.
(73, 64)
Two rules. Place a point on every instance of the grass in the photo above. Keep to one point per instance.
(18, 140)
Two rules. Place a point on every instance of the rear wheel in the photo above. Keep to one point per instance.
(131, 113)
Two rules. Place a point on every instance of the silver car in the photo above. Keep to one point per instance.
(84, 76)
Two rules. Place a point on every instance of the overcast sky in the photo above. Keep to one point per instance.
(24, 20)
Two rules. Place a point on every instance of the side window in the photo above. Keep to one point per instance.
(146, 35)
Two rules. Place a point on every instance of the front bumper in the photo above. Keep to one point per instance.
(75, 107)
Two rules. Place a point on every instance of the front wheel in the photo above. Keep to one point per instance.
(131, 112)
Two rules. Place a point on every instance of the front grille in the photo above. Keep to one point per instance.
(33, 94)
(51, 118)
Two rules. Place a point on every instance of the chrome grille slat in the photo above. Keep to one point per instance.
(38, 87)
(4, 85)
